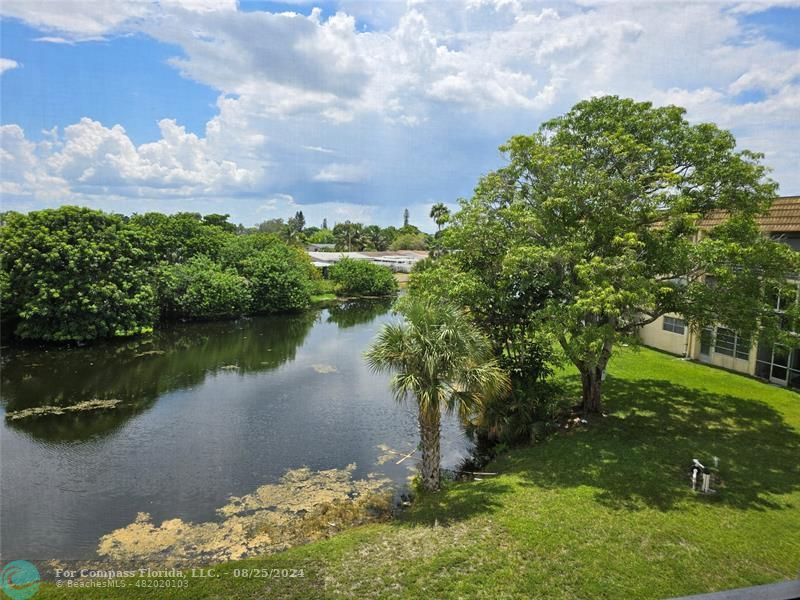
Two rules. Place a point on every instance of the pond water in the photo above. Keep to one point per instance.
(206, 411)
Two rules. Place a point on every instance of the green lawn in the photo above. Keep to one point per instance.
(600, 512)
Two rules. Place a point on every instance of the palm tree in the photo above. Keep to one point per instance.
(440, 214)
(444, 362)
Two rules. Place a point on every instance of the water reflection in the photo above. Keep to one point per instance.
(209, 411)
(137, 372)
(357, 312)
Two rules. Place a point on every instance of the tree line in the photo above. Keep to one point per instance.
(348, 236)
(76, 274)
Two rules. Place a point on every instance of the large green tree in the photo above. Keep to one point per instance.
(349, 236)
(605, 204)
(75, 274)
(442, 361)
(176, 238)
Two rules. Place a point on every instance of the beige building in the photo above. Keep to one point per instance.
(725, 348)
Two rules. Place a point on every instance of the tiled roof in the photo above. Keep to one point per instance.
(782, 217)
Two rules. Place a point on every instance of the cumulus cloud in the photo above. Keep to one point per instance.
(6, 64)
(417, 102)
(91, 159)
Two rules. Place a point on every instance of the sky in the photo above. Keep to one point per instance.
(356, 109)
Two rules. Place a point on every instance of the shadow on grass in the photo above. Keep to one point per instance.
(456, 503)
(640, 454)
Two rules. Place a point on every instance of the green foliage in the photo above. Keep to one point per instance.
(527, 414)
(409, 241)
(363, 278)
(441, 361)
(349, 236)
(200, 288)
(440, 215)
(237, 249)
(176, 238)
(374, 238)
(220, 221)
(76, 274)
(281, 278)
(273, 226)
(322, 236)
(594, 223)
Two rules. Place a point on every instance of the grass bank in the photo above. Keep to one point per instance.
(603, 511)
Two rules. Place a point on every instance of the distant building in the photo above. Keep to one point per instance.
(399, 261)
(320, 247)
(725, 348)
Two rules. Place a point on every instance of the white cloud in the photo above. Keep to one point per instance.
(54, 39)
(6, 64)
(417, 103)
(319, 149)
(83, 20)
(91, 159)
(342, 173)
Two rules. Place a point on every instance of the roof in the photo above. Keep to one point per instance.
(385, 256)
(782, 217)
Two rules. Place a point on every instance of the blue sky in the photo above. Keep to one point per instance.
(355, 109)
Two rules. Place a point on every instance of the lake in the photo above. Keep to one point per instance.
(206, 411)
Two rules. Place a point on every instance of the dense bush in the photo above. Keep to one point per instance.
(322, 236)
(238, 248)
(200, 288)
(409, 241)
(362, 277)
(176, 238)
(76, 274)
(73, 274)
(281, 278)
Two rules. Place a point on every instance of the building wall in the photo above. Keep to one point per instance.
(688, 344)
(730, 362)
(655, 336)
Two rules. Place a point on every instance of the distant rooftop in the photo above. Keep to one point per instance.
(782, 217)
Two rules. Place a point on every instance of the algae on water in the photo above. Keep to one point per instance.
(39, 411)
(304, 505)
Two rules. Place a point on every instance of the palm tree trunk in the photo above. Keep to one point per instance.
(429, 431)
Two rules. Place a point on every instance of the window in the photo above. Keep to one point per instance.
(726, 342)
(674, 325)
(730, 343)
(742, 347)
(706, 338)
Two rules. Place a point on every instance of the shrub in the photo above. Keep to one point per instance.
(323, 236)
(201, 289)
(281, 278)
(409, 241)
(527, 415)
(362, 277)
(76, 274)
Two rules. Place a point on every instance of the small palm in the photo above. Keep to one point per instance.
(439, 358)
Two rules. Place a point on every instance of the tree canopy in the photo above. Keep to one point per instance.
(73, 274)
(597, 219)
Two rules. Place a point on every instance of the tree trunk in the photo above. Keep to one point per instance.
(429, 429)
(592, 381)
